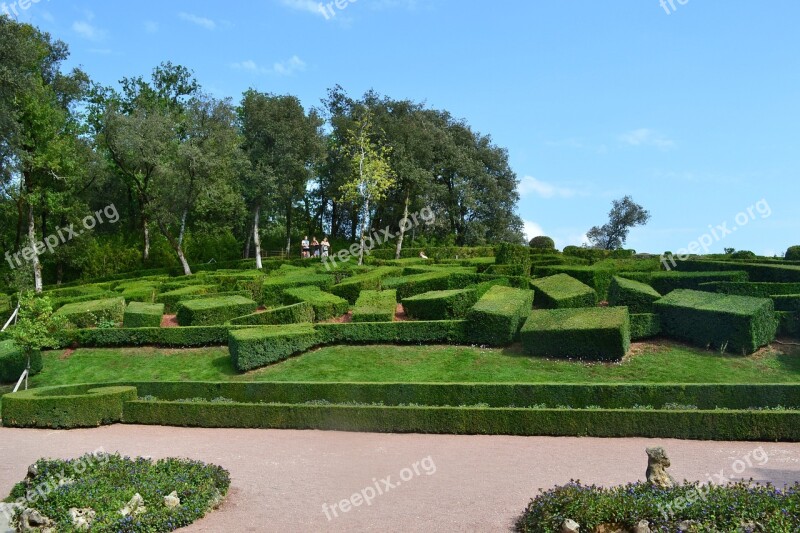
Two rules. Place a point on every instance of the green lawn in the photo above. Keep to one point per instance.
(667, 362)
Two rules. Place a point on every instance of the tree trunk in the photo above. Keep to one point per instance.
(257, 237)
(183, 226)
(363, 231)
(37, 266)
(146, 236)
(289, 231)
(402, 233)
(175, 246)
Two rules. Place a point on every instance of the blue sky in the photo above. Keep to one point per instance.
(694, 111)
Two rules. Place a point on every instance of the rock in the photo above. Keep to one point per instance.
(134, 507)
(570, 526)
(642, 527)
(657, 464)
(32, 520)
(610, 528)
(686, 525)
(33, 471)
(171, 501)
(82, 518)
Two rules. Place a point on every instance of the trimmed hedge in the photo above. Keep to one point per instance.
(757, 289)
(325, 305)
(213, 311)
(351, 287)
(91, 313)
(184, 337)
(645, 325)
(787, 302)
(637, 297)
(440, 305)
(375, 306)
(13, 362)
(482, 287)
(273, 287)
(171, 298)
(597, 278)
(666, 282)
(66, 407)
(789, 324)
(142, 315)
(405, 332)
(600, 333)
(741, 324)
(298, 313)
(760, 272)
(256, 347)
(515, 255)
(562, 291)
(496, 318)
(143, 293)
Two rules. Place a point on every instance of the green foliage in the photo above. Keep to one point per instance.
(601, 333)
(496, 318)
(183, 337)
(666, 282)
(597, 278)
(759, 290)
(624, 215)
(708, 507)
(375, 306)
(298, 313)
(645, 325)
(143, 315)
(66, 407)
(513, 254)
(792, 253)
(736, 324)
(542, 242)
(36, 324)
(171, 298)
(787, 302)
(404, 332)
(274, 287)
(743, 254)
(562, 291)
(440, 305)
(637, 297)
(13, 360)
(256, 347)
(91, 313)
(759, 272)
(351, 287)
(789, 324)
(325, 305)
(105, 483)
(213, 311)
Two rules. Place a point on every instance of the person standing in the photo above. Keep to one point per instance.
(315, 246)
(326, 246)
(304, 244)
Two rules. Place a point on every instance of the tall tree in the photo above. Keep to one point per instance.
(371, 173)
(624, 215)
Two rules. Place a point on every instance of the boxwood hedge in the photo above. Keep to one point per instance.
(666, 282)
(404, 332)
(496, 318)
(273, 287)
(351, 287)
(636, 296)
(562, 291)
(645, 325)
(739, 324)
(597, 278)
(289, 314)
(760, 272)
(171, 298)
(183, 337)
(213, 311)
(757, 289)
(787, 302)
(326, 305)
(13, 361)
(256, 347)
(375, 306)
(91, 313)
(789, 324)
(601, 333)
(142, 315)
(440, 305)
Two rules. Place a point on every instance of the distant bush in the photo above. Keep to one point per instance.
(513, 254)
(542, 242)
(743, 254)
(793, 253)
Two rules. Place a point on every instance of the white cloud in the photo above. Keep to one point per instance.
(530, 185)
(203, 22)
(309, 6)
(647, 137)
(531, 229)
(88, 31)
(279, 68)
(150, 26)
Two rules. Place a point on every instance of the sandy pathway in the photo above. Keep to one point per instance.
(282, 478)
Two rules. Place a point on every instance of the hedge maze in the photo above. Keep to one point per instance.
(555, 305)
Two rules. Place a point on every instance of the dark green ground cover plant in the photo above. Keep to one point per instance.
(106, 483)
(718, 508)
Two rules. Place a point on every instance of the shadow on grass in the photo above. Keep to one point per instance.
(224, 366)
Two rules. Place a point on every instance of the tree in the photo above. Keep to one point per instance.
(36, 324)
(793, 253)
(624, 215)
(371, 173)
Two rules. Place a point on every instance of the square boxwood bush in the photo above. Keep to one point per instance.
(596, 333)
(496, 318)
(213, 311)
(645, 325)
(299, 313)
(562, 291)
(440, 305)
(273, 287)
(143, 315)
(636, 296)
(91, 313)
(596, 277)
(326, 305)
(13, 361)
(256, 347)
(375, 306)
(171, 298)
(740, 324)
(787, 302)
(513, 254)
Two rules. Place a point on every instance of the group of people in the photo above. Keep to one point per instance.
(314, 246)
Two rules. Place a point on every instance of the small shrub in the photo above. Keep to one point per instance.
(793, 253)
(562, 291)
(496, 318)
(325, 305)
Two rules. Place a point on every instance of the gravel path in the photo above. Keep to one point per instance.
(282, 478)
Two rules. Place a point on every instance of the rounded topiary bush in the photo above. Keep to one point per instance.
(743, 254)
(542, 241)
(793, 253)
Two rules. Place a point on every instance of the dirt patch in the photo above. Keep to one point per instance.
(638, 348)
(400, 314)
(67, 353)
(345, 318)
(169, 321)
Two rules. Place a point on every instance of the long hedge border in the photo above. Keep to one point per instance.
(600, 410)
